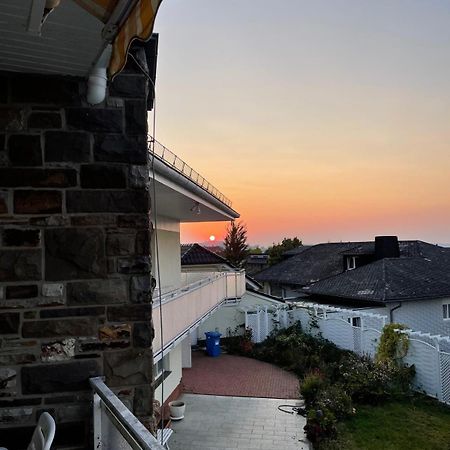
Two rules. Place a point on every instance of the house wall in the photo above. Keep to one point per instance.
(229, 319)
(174, 379)
(75, 292)
(168, 253)
(425, 316)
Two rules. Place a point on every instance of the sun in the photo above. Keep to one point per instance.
(212, 238)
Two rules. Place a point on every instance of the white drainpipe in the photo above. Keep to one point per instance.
(97, 81)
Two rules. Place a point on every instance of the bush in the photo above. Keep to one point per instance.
(310, 386)
(320, 425)
(334, 398)
(393, 345)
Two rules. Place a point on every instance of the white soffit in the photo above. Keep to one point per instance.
(70, 39)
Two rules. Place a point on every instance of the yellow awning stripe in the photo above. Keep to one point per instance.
(138, 25)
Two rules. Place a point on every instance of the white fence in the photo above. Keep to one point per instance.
(360, 332)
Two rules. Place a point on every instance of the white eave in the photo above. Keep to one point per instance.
(69, 43)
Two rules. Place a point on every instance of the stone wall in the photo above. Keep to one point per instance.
(75, 290)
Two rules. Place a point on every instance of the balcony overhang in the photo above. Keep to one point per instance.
(181, 197)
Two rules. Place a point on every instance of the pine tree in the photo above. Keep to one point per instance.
(236, 248)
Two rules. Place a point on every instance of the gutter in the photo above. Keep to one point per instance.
(391, 311)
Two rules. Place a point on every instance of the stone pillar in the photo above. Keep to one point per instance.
(75, 291)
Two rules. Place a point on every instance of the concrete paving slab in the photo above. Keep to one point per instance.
(214, 422)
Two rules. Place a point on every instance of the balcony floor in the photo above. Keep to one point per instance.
(238, 376)
(220, 423)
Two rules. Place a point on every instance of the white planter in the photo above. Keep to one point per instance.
(177, 408)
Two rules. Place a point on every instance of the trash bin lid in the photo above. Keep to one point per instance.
(213, 334)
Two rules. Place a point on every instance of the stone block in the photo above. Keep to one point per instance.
(52, 290)
(132, 313)
(67, 146)
(2, 292)
(142, 401)
(9, 323)
(62, 327)
(138, 264)
(139, 177)
(50, 221)
(103, 346)
(12, 118)
(103, 176)
(17, 237)
(24, 291)
(128, 367)
(129, 86)
(25, 150)
(72, 312)
(110, 291)
(120, 244)
(8, 378)
(134, 221)
(44, 120)
(16, 415)
(74, 412)
(105, 220)
(20, 265)
(74, 253)
(4, 85)
(136, 116)
(3, 201)
(143, 242)
(42, 89)
(37, 202)
(47, 379)
(111, 332)
(17, 359)
(143, 334)
(58, 351)
(107, 201)
(141, 288)
(10, 177)
(106, 120)
(119, 148)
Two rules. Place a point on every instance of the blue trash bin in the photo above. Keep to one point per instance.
(212, 343)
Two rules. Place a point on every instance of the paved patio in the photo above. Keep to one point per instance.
(222, 423)
(238, 376)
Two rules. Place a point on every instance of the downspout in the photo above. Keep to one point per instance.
(97, 81)
(391, 315)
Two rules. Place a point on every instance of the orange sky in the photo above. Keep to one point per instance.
(324, 120)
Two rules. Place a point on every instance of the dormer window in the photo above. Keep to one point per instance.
(351, 262)
(446, 310)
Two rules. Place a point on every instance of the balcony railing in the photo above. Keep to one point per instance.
(164, 154)
(185, 307)
(115, 427)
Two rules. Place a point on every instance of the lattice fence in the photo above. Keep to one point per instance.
(360, 332)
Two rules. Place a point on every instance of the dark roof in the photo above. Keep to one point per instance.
(295, 251)
(326, 260)
(195, 254)
(257, 259)
(390, 279)
(312, 264)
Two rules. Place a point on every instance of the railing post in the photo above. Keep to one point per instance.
(97, 410)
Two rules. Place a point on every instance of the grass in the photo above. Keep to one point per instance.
(413, 424)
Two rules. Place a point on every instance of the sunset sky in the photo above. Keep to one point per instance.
(328, 120)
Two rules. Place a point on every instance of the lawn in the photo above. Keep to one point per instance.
(419, 423)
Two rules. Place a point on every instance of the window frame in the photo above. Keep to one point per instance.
(446, 310)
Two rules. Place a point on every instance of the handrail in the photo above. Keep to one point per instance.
(171, 159)
(131, 429)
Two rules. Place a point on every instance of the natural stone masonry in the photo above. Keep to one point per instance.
(75, 287)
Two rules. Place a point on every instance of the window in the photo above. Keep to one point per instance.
(355, 321)
(446, 311)
(161, 366)
(351, 262)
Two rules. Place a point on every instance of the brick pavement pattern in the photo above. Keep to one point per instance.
(238, 376)
(225, 423)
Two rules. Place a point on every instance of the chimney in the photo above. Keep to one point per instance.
(386, 247)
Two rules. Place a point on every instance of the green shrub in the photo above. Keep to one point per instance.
(320, 425)
(393, 345)
(310, 386)
(334, 398)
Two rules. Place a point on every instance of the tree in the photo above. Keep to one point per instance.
(236, 248)
(276, 251)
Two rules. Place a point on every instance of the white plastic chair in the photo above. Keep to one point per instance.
(44, 433)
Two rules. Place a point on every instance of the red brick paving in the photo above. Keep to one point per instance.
(238, 376)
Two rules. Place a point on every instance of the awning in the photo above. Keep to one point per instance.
(133, 23)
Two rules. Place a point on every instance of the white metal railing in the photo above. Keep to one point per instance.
(115, 427)
(183, 308)
(164, 154)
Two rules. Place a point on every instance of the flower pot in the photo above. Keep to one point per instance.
(177, 408)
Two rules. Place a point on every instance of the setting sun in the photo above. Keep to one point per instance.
(212, 238)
